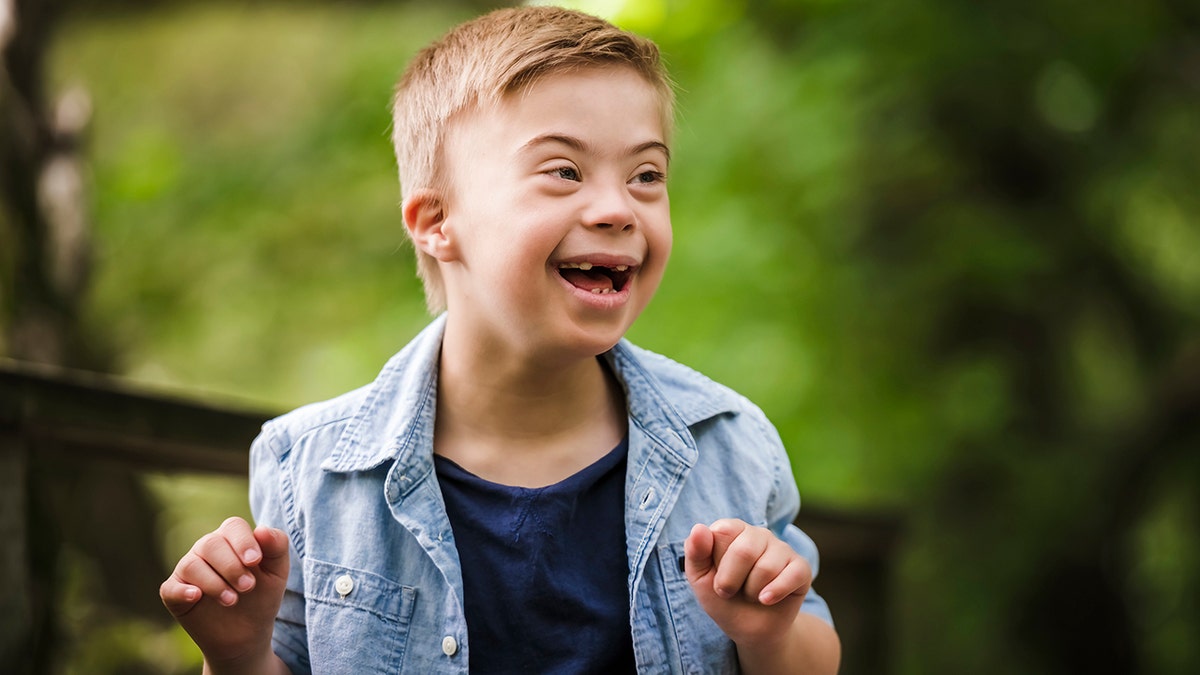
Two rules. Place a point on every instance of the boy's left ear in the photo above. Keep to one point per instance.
(425, 218)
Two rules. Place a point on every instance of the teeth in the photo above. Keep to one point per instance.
(585, 266)
(602, 291)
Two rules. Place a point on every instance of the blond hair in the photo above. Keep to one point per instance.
(481, 61)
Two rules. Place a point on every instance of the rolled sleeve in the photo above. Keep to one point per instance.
(783, 510)
(269, 505)
(803, 544)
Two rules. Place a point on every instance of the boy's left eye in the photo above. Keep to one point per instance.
(565, 172)
(647, 177)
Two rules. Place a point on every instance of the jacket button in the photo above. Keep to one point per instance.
(343, 585)
(449, 645)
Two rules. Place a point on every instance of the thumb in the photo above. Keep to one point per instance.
(274, 545)
(698, 553)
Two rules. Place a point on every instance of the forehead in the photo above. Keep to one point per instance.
(608, 103)
(586, 73)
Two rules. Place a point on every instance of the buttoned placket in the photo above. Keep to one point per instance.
(659, 459)
(414, 500)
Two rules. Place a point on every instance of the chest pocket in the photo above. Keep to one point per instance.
(703, 647)
(358, 622)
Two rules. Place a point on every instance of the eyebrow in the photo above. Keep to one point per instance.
(582, 146)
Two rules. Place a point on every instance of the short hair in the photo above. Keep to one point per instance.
(480, 62)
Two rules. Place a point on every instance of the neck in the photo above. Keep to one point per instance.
(518, 403)
(524, 418)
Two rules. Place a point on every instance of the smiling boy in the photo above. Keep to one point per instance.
(520, 490)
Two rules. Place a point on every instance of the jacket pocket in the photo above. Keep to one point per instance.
(703, 646)
(358, 622)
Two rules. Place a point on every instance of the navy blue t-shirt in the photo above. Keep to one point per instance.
(544, 570)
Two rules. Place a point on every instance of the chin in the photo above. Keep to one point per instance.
(600, 339)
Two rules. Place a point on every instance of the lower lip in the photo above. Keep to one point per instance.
(602, 301)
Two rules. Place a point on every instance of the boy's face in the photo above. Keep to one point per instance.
(557, 212)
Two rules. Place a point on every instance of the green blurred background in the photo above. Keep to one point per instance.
(951, 248)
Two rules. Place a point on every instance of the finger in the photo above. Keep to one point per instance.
(697, 553)
(740, 557)
(273, 544)
(241, 540)
(794, 580)
(178, 597)
(216, 551)
(195, 571)
(724, 532)
(767, 568)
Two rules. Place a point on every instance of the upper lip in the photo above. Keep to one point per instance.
(608, 260)
(619, 268)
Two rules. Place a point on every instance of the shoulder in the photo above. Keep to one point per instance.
(325, 419)
(729, 432)
(351, 431)
(735, 450)
(694, 395)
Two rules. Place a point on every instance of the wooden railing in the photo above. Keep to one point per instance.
(52, 419)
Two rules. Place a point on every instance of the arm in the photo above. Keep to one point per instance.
(271, 666)
(811, 646)
(225, 593)
(752, 584)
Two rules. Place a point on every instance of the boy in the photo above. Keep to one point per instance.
(520, 490)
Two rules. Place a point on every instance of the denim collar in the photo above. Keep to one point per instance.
(396, 416)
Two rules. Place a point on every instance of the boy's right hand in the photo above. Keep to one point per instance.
(226, 591)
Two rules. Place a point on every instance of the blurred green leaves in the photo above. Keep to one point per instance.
(950, 248)
(245, 193)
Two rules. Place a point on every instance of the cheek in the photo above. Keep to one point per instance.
(662, 237)
(660, 253)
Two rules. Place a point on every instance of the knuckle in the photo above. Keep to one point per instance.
(198, 572)
(751, 544)
(743, 552)
(233, 523)
(205, 543)
(191, 568)
(727, 526)
(792, 578)
(802, 570)
(780, 552)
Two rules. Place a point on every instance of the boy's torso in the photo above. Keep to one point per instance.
(376, 579)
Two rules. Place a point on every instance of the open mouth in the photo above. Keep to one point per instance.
(597, 279)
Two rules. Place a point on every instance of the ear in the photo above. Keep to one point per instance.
(425, 218)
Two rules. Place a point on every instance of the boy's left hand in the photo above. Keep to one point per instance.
(748, 580)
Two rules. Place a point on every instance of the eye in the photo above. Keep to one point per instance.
(650, 177)
(565, 173)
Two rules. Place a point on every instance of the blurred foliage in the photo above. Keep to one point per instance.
(951, 248)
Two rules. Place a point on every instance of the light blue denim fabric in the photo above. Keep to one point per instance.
(375, 584)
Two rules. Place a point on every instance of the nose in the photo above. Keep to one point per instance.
(610, 207)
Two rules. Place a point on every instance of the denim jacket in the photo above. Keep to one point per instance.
(375, 584)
